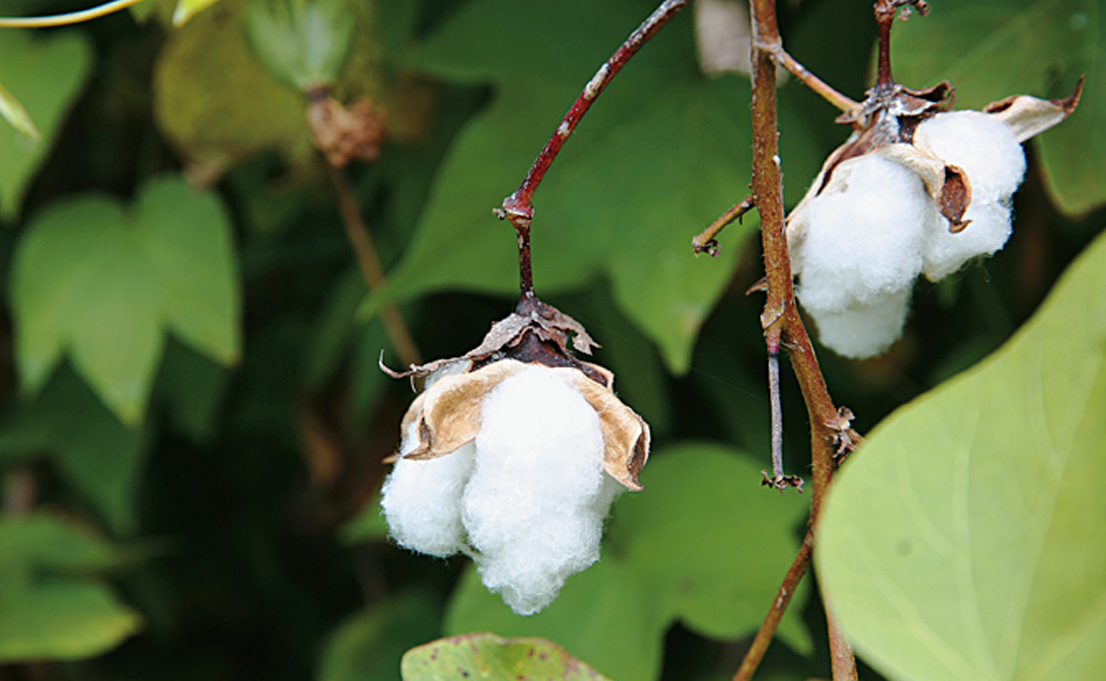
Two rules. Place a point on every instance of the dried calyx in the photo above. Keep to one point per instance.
(916, 189)
(447, 413)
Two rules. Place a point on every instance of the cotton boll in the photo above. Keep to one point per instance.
(982, 145)
(864, 235)
(535, 503)
(988, 231)
(862, 331)
(422, 500)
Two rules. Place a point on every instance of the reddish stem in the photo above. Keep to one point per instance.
(518, 207)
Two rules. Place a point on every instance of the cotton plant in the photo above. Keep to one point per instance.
(917, 189)
(512, 454)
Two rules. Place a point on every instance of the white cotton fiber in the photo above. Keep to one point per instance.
(982, 145)
(864, 233)
(944, 252)
(863, 331)
(535, 503)
(422, 499)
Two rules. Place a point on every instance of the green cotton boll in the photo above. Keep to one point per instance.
(300, 42)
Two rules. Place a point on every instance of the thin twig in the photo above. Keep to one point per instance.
(371, 271)
(518, 207)
(780, 315)
(825, 90)
(707, 240)
(764, 635)
(67, 18)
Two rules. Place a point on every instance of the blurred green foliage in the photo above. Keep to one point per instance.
(190, 353)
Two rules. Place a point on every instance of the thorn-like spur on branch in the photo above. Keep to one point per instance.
(706, 241)
(518, 208)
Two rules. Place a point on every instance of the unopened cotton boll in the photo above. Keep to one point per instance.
(863, 236)
(863, 330)
(535, 503)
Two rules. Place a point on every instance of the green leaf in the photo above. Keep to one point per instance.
(487, 656)
(994, 48)
(662, 153)
(368, 525)
(965, 539)
(370, 643)
(47, 72)
(192, 387)
(186, 9)
(95, 453)
(49, 606)
(104, 285)
(703, 544)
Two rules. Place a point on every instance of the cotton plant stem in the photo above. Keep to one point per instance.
(67, 18)
(518, 207)
(368, 262)
(780, 311)
(767, 630)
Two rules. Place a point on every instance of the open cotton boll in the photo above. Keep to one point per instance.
(422, 499)
(862, 331)
(945, 252)
(863, 237)
(535, 503)
(983, 146)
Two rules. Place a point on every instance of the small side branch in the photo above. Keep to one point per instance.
(841, 102)
(707, 240)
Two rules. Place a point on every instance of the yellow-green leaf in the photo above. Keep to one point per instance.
(14, 113)
(186, 9)
(965, 540)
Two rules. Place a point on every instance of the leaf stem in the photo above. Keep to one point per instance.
(67, 18)
(368, 261)
(518, 207)
(780, 318)
(767, 630)
(825, 90)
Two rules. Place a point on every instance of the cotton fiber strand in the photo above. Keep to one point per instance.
(861, 330)
(422, 500)
(535, 503)
(864, 236)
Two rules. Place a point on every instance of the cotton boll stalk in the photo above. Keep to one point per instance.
(535, 503)
(983, 146)
(863, 330)
(422, 499)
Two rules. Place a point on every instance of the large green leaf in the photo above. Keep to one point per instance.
(965, 540)
(661, 154)
(487, 656)
(104, 285)
(95, 453)
(50, 607)
(45, 73)
(704, 544)
(990, 49)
